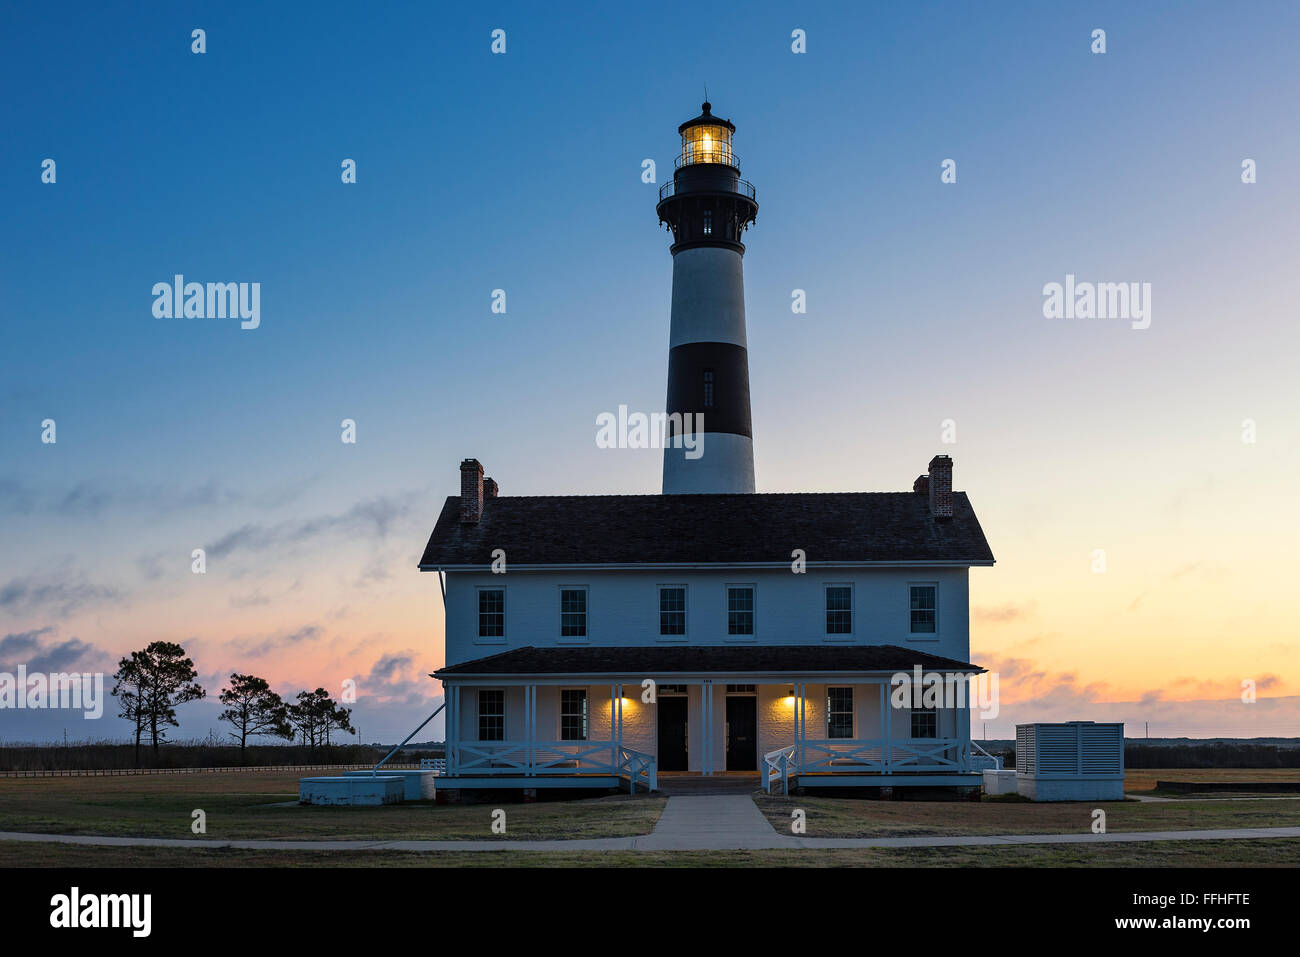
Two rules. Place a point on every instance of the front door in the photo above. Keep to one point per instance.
(672, 733)
(742, 733)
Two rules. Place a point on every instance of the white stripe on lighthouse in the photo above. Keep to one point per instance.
(708, 297)
(726, 465)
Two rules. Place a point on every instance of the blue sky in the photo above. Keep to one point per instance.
(522, 172)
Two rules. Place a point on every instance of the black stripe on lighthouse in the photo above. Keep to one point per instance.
(710, 379)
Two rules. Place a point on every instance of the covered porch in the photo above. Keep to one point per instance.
(789, 729)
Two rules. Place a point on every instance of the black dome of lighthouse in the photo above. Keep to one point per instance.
(707, 119)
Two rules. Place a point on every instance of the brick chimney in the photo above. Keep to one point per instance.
(471, 491)
(922, 486)
(490, 489)
(940, 483)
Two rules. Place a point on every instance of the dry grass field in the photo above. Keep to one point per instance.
(251, 804)
(1261, 853)
(853, 817)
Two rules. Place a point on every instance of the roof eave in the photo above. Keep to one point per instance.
(613, 566)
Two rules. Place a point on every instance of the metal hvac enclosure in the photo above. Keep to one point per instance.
(1070, 761)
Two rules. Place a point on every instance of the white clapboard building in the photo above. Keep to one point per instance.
(606, 640)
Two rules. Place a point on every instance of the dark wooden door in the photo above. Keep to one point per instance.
(742, 734)
(672, 734)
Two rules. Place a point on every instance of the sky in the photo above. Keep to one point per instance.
(1171, 449)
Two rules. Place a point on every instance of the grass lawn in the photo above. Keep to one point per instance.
(1144, 781)
(857, 817)
(1261, 853)
(239, 805)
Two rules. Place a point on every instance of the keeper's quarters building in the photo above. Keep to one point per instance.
(709, 629)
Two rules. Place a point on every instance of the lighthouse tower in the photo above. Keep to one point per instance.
(708, 206)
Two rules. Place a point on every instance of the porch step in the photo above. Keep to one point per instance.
(672, 783)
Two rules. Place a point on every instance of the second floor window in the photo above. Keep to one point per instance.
(839, 712)
(491, 613)
(573, 613)
(492, 715)
(708, 388)
(672, 610)
(922, 612)
(740, 610)
(839, 610)
(925, 723)
(573, 714)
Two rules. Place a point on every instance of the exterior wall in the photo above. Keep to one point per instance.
(775, 711)
(623, 608)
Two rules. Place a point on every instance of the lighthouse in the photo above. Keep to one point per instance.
(708, 207)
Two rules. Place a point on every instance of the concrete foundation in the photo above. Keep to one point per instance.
(1070, 789)
(368, 791)
(999, 782)
(417, 785)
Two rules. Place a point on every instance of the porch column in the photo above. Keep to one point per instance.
(450, 731)
(620, 715)
(963, 729)
(530, 729)
(801, 706)
(887, 752)
(706, 700)
(613, 736)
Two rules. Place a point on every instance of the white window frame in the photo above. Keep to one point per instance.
(853, 612)
(561, 637)
(853, 713)
(686, 612)
(559, 713)
(922, 636)
(480, 639)
(938, 722)
(478, 714)
(726, 611)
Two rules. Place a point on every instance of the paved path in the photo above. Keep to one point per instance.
(688, 823)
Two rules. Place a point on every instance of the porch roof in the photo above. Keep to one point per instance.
(723, 659)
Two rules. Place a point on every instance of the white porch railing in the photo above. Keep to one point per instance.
(534, 758)
(981, 760)
(882, 756)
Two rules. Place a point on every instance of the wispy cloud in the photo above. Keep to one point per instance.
(260, 647)
(374, 518)
(55, 594)
(999, 614)
(94, 497)
(26, 648)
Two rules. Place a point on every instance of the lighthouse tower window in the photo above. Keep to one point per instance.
(708, 222)
(708, 388)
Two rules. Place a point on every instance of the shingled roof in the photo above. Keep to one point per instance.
(750, 659)
(834, 527)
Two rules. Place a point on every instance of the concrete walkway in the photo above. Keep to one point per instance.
(689, 823)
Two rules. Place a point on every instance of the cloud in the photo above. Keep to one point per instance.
(26, 649)
(21, 643)
(57, 595)
(257, 598)
(259, 647)
(1004, 613)
(94, 496)
(375, 518)
(61, 656)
